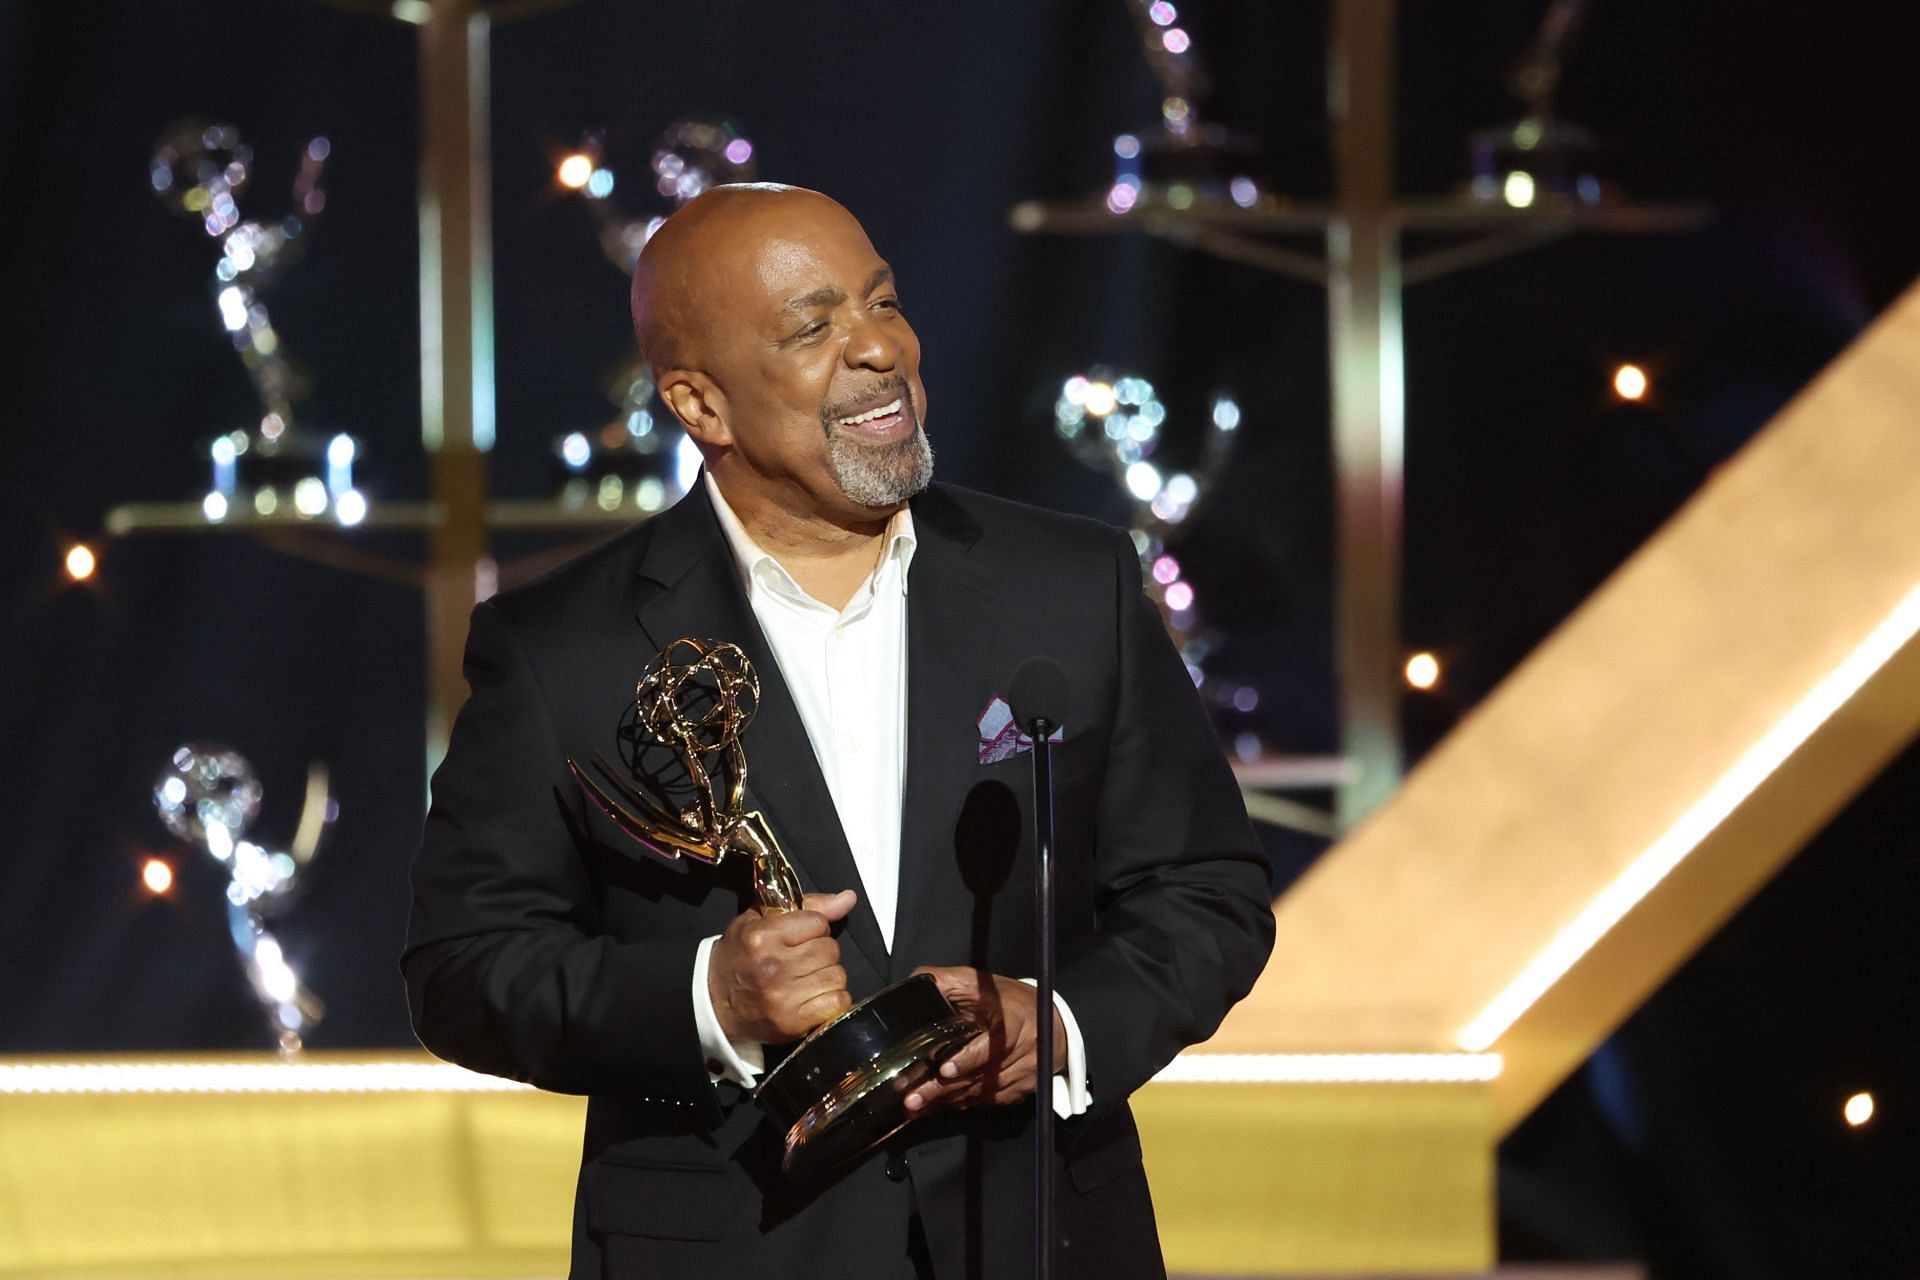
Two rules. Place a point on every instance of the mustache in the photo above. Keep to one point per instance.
(848, 407)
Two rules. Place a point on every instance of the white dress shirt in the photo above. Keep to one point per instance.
(847, 672)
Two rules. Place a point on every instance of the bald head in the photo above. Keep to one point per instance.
(775, 336)
(682, 269)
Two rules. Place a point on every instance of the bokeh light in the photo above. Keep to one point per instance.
(1858, 1110)
(157, 875)
(1630, 382)
(81, 562)
(576, 170)
(1423, 671)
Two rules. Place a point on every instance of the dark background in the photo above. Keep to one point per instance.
(1705, 1136)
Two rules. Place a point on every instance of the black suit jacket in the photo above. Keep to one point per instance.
(546, 946)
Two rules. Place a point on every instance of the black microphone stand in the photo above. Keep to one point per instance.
(1042, 730)
(1039, 695)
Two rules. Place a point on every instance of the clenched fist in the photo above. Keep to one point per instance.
(773, 978)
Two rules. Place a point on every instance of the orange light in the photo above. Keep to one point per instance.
(1630, 382)
(157, 875)
(1423, 671)
(81, 562)
(575, 170)
(1859, 1110)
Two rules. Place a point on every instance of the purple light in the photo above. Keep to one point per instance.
(1175, 40)
(739, 151)
(1179, 597)
(1165, 570)
(1121, 198)
(1162, 13)
(1246, 698)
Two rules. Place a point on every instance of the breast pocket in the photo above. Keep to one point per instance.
(662, 1202)
(1080, 755)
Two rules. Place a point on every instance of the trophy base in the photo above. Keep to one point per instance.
(842, 1091)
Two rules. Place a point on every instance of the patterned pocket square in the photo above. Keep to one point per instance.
(1001, 739)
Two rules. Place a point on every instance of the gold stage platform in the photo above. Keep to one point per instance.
(353, 1166)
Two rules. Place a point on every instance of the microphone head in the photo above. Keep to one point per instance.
(1038, 692)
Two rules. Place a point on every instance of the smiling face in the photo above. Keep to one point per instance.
(777, 339)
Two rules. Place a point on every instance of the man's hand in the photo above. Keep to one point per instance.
(773, 978)
(1000, 1065)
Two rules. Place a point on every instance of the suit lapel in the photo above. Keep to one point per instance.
(948, 682)
(697, 592)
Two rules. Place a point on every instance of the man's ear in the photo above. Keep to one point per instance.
(700, 405)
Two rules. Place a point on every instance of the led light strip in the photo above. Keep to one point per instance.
(247, 1077)
(1331, 1068)
(1693, 826)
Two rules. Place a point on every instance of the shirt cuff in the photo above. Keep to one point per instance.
(1070, 1093)
(740, 1061)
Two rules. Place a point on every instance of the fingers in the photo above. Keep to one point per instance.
(773, 978)
(832, 906)
(997, 1067)
(960, 986)
(824, 1008)
(1001, 1084)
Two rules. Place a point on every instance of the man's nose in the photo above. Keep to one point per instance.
(871, 346)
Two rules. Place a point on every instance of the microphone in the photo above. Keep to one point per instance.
(1039, 692)
(1038, 696)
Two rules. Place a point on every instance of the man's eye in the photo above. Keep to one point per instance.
(813, 330)
(888, 304)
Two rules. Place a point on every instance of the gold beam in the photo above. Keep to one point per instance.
(1366, 349)
(1590, 824)
(456, 337)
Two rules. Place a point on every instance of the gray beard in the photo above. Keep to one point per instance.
(880, 475)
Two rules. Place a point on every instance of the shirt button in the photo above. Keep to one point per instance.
(896, 1166)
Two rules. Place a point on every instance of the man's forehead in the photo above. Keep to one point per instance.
(757, 254)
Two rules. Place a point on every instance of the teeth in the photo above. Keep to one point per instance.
(884, 411)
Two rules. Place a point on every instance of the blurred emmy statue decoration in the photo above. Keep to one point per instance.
(1540, 160)
(1182, 162)
(200, 170)
(208, 795)
(638, 459)
(1113, 423)
(841, 1090)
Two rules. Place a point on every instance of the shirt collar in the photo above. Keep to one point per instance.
(755, 564)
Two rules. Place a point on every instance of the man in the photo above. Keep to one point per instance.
(884, 617)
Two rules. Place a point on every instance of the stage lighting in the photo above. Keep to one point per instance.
(157, 875)
(576, 170)
(1423, 671)
(1859, 1110)
(80, 562)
